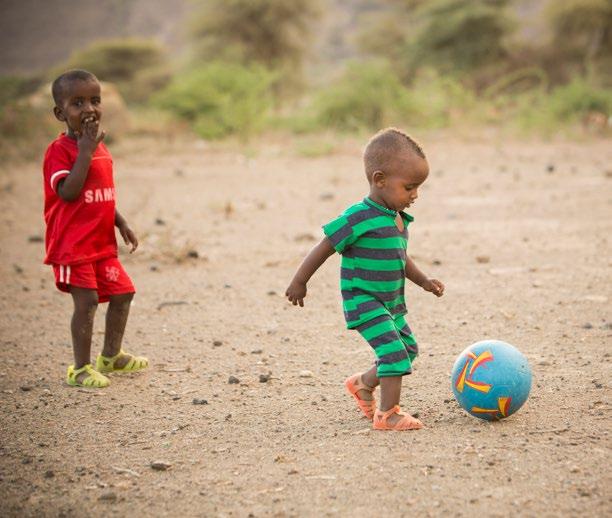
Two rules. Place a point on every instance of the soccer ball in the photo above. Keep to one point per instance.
(491, 379)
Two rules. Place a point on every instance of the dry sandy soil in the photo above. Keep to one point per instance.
(518, 231)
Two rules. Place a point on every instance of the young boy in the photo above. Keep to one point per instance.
(80, 240)
(372, 236)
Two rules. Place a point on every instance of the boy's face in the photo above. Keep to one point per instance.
(81, 103)
(398, 186)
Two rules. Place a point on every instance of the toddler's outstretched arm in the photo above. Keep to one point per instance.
(419, 278)
(311, 263)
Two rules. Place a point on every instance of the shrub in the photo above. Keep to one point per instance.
(367, 96)
(137, 66)
(273, 33)
(118, 60)
(220, 99)
(13, 88)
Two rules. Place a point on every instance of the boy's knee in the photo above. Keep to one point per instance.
(121, 300)
(86, 302)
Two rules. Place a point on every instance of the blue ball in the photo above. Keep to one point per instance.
(491, 379)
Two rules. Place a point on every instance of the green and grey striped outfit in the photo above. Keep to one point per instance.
(372, 280)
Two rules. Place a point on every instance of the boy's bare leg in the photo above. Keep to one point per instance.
(116, 320)
(81, 326)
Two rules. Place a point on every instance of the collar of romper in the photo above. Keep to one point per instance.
(390, 212)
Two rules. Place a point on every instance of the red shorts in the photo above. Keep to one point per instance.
(106, 276)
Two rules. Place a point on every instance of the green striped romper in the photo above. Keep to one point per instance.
(372, 278)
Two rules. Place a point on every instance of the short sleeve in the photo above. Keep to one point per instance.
(341, 233)
(57, 165)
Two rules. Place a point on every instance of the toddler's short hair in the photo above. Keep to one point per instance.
(59, 86)
(384, 147)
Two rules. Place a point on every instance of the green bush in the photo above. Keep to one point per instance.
(575, 100)
(138, 67)
(118, 60)
(220, 99)
(368, 96)
(563, 107)
(13, 88)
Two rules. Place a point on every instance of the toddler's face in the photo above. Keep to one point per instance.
(399, 185)
(82, 103)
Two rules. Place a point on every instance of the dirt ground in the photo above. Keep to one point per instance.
(518, 231)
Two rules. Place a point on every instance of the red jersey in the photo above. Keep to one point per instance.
(82, 230)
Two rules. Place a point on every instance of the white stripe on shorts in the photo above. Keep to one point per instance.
(61, 273)
(67, 274)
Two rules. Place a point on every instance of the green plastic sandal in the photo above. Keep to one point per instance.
(93, 380)
(107, 363)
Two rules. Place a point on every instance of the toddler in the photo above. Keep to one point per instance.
(372, 236)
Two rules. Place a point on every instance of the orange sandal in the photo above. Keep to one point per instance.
(353, 385)
(407, 422)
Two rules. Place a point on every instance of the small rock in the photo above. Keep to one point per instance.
(18, 269)
(25, 388)
(108, 496)
(588, 325)
(49, 474)
(154, 268)
(326, 196)
(233, 380)
(217, 343)
(159, 221)
(306, 374)
(35, 239)
(159, 465)
(436, 262)
(483, 259)
(193, 254)
(264, 378)
(197, 401)
(271, 293)
(256, 351)
(550, 168)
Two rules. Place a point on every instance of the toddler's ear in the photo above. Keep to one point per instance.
(59, 114)
(378, 178)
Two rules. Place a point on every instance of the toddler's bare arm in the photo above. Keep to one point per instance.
(420, 279)
(311, 263)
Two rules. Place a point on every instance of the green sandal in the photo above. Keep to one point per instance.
(107, 363)
(93, 380)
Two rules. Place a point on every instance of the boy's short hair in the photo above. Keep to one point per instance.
(58, 88)
(384, 147)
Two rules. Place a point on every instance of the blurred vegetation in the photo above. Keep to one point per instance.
(139, 67)
(220, 99)
(420, 64)
(582, 37)
(273, 33)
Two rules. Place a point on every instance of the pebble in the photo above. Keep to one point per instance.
(233, 380)
(217, 343)
(197, 401)
(588, 325)
(256, 351)
(49, 474)
(160, 465)
(108, 496)
(306, 374)
(264, 378)
(25, 388)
